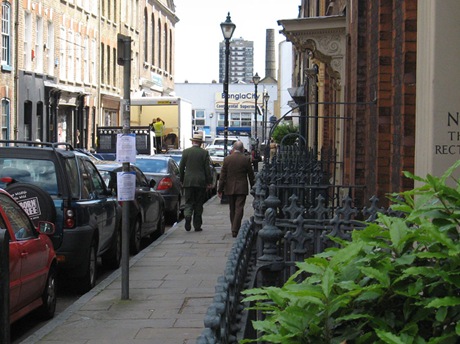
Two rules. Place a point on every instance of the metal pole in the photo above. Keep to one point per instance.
(4, 286)
(126, 47)
(227, 57)
(255, 116)
(264, 124)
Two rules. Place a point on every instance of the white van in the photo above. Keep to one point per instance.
(220, 140)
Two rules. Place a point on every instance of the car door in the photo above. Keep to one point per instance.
(173, 170)
(27, 248)
(149, 201)
(104, 205)
(15, 259)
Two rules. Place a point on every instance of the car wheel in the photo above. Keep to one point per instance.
(111, 259)
(174, 215)
(49, 298)
(89, 279)
(136, 237)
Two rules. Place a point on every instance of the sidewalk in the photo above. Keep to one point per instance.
(171, 286)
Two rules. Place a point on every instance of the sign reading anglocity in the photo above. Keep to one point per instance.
(237, 101)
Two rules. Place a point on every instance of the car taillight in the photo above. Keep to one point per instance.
(165, 184)
(69, 218)
(6, 180)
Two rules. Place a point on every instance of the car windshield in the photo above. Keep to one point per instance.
(152, 165)
(39, 172)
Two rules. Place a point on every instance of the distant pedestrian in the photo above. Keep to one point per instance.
(236, 171)
(273, 148)
(158, 126)
(195, 176)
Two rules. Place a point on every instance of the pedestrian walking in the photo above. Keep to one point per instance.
(236, 171)
(195, 176)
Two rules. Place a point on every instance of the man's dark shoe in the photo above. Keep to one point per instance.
(198, 229)
(188, 223)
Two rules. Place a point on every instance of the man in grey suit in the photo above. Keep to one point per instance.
(233, 182)
(195, 176)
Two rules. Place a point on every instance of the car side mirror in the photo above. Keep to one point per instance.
(46, 227)
(152, 183)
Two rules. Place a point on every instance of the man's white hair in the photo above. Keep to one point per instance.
(239, 146)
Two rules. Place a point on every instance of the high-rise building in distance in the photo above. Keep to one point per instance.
(241, 63)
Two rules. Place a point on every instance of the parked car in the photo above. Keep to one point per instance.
(146, 211)
(66, 188)
(165, 171)
(176, 154)
(216, 154)
(32, 261)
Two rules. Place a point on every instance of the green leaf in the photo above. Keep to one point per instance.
(444, 302)
(389, 337)
(328, 282)
(381, 276)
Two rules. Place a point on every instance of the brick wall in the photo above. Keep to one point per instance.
(382, 54)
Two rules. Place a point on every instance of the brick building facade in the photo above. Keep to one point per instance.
(355, 62)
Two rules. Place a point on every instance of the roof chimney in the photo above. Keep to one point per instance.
(270, 63)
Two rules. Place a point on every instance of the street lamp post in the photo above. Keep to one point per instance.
(264, 126)
(255, 80)
(227, 30)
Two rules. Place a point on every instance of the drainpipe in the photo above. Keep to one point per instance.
(16, 70)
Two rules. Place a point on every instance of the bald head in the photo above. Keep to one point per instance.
(238, 145)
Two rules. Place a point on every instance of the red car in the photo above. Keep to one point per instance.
(32, 261)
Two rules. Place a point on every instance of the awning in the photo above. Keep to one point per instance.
(65, 88)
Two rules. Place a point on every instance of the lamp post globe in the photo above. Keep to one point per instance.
(227, 28)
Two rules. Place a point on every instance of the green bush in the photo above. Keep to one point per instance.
(283, 130)
(397, 281)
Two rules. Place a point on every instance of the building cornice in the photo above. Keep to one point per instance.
(324, 37)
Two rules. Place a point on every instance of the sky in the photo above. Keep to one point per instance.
(198, 33)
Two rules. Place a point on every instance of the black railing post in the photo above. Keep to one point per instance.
(4, 286)
(270, 235)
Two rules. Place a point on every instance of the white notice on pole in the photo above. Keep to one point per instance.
(126, 186)
(126, 148)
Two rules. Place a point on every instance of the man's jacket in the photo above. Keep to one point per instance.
(194, 168)
(235, 173)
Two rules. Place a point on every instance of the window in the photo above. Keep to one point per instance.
(153, 40)
(199, 118)
(114, 68)
(62, 55)
(19, 220)
(71, 57)
(146, 37)
(235, 119)
(86, 60)
(159, 43)
(50, 48)
(6, 34)
(93, 62)
(102, 63)
(78, 52)
(165, 48)
(108, 65)
(5, 119)
(27, 41)
(39, 45)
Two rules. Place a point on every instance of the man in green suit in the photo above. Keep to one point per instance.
(195, 176)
